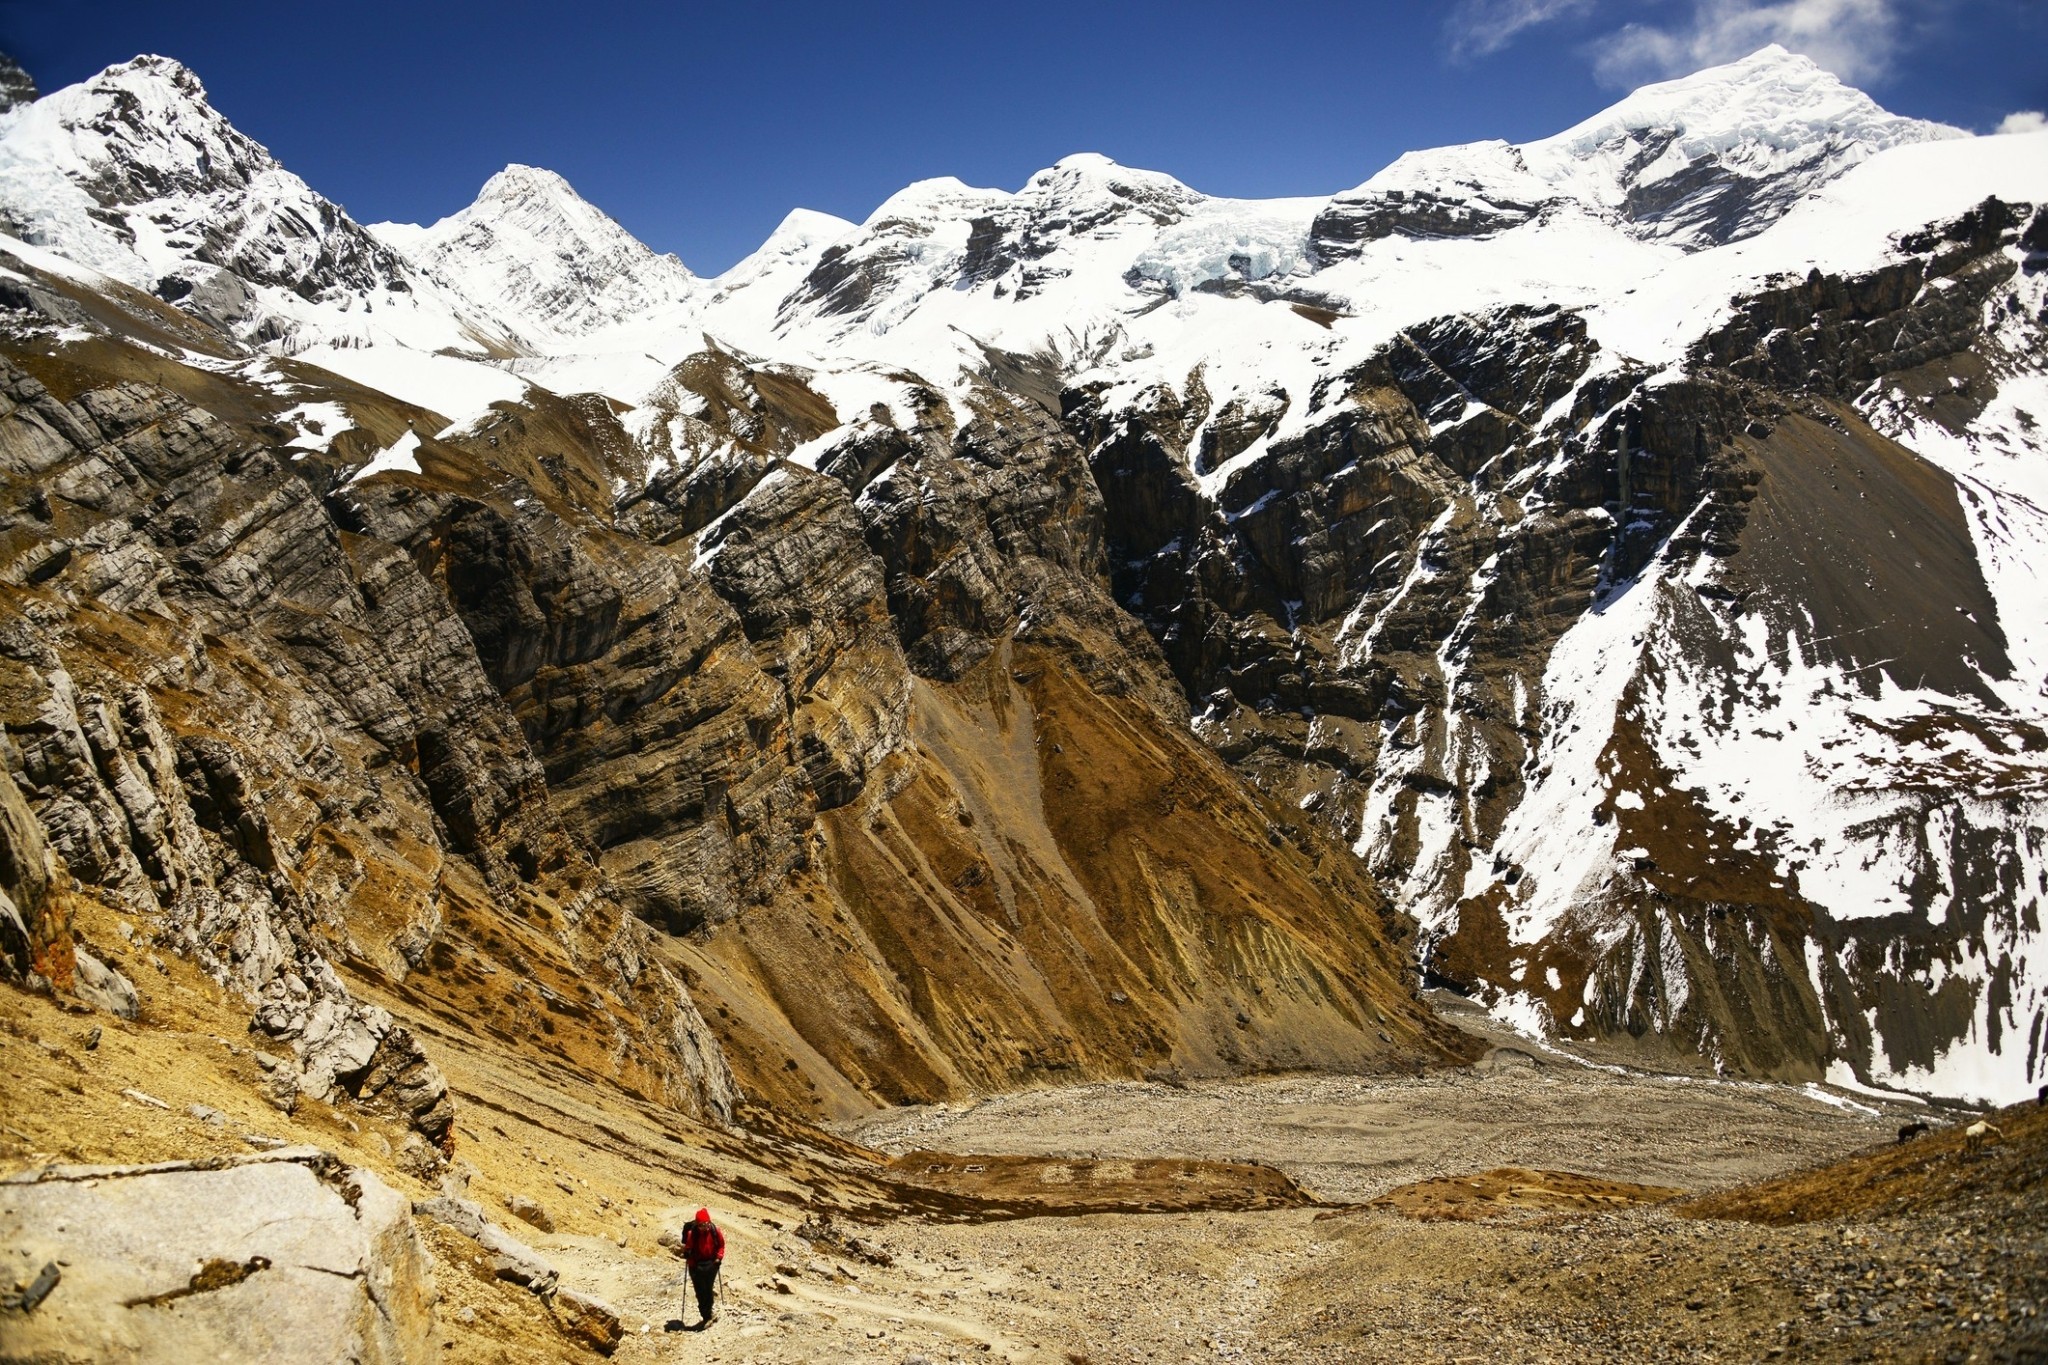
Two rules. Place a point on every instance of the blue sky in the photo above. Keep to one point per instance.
(699, 126)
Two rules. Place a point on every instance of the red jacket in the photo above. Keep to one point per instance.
(702, 1242)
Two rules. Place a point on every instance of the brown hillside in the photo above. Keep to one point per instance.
(1930, 1172)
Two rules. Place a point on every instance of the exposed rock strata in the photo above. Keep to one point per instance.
(263, 737)
(469, 733)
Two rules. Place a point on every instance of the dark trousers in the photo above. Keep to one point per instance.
(704, 1279)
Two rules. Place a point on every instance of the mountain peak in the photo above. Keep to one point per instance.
(543, 257)
(1082, 162)
(1772, 98)
(942, 196)
(1093, 169)
(136, 175)
(150, 66)
(1770, 54)
(809, 225)
(156, 101)
(1708, 158)
(517, 180)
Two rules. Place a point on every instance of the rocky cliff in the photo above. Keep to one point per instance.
(865, 764)
(1610, 669)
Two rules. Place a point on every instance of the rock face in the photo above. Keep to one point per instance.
(35, 937)
(169, 824)
(284, 1256)
(16, 85)
(1550, 788)
(270, 807)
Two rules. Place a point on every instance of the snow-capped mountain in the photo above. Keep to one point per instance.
(532, 270)
(1712, 158)
(1509, 517)
(542, 260)
(944, 234)
(134, 174)
(775, 269)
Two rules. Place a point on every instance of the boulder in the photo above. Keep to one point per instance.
(279, 1085)
(102, 987)
(287, 1256)
(527, 1211)
(513, 1260)
(1501, 1059)
(587, 1319)
(581, 1317)
(461, 1215)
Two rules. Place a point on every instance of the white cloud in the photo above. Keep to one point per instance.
(1855, 39)
(1477, 28)
(2022, 121)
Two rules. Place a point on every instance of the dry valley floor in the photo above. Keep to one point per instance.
(1919, 1252)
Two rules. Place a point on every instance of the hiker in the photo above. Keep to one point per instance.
(703, 1253)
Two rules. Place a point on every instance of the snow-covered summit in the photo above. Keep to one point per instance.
(941, 196)
(785, 258)
(136, 175)
(802, 228)
(945, 234)
(1771, 98)
(1711, 158)
(140, 133)
(1093, 187)
(543, 259)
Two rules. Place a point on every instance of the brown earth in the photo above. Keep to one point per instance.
(1508, 1191)
(1935, 1170)
(991, 1187)
(1052, 884)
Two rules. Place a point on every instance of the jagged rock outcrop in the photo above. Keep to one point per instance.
(24, 885)
(170, 826)
(799, 621)
(268, 807)
(16, 85)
